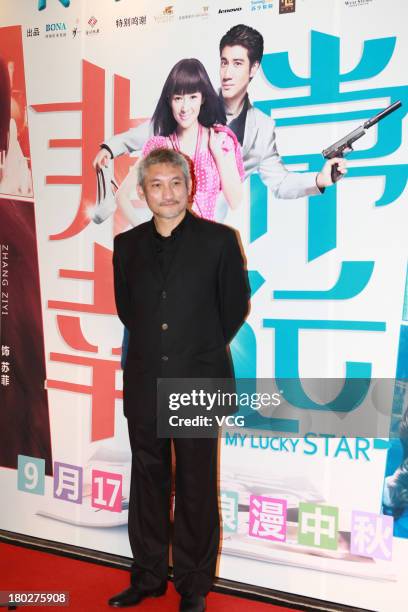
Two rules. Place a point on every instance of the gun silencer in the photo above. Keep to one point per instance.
(382, 114)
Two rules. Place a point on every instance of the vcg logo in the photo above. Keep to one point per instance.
(42, 4)
(54, 27)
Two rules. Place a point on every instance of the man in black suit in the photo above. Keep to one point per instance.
(182, 291)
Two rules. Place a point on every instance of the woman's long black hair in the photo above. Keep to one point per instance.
(186, 77)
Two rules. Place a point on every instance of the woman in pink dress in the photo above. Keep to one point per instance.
(190, 118)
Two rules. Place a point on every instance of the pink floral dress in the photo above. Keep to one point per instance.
(207, 178)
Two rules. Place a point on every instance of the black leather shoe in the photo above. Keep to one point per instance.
(192, 603)
(133, 596)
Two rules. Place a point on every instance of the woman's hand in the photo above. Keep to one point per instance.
(216, 143)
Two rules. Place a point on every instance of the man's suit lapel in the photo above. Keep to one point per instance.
(251, 131)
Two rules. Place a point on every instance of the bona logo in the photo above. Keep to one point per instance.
(43, 3)
(53, 27)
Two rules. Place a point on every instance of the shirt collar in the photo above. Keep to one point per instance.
(246, 104)
(174, 233)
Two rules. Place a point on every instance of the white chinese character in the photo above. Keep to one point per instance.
(369, 539)
(316, 525)
(5, 380)
(68, 481)
(5, 367)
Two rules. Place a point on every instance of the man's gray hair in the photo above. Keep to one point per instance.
(163, 156)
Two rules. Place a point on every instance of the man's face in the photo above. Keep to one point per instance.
(165, 190)
(235, 71)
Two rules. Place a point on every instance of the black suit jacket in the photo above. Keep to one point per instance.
(180, 327)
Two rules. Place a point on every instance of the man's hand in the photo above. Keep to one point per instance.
(102, 159)
(323, 179)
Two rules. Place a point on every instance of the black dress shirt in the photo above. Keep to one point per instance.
(237, 125)
(166, 246)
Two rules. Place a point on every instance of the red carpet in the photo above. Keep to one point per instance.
(90, 585)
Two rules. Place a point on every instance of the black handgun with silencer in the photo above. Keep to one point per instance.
(343, 146)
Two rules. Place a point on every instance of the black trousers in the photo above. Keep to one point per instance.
(196, 518)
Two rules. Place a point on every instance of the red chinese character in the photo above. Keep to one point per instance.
(102, 389)
(102, 277)
(92, 108)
